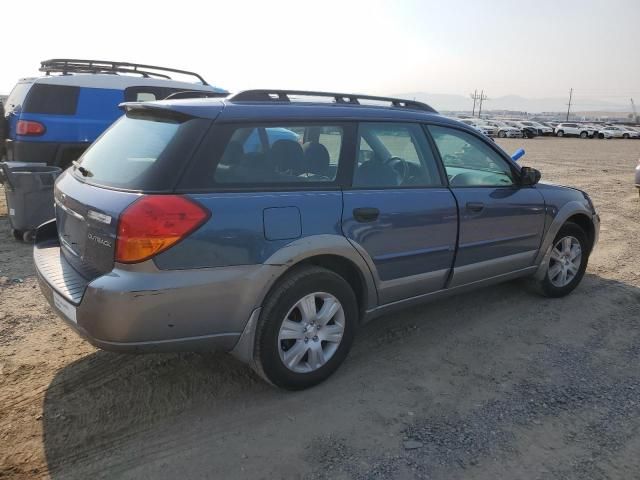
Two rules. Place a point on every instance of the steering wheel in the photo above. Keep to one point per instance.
(399, 165)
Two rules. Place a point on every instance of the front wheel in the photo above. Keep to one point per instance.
(560, 133)
(584, 134)
(625, 136)
(568, 261)
(502, 134)
(306, 328)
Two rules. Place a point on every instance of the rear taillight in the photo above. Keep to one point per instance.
(154, 223)
(28, 127)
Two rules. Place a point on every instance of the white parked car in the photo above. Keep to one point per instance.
(504, 130)
(542, 129)
(573, 130)
(618, 132)
(488, 130)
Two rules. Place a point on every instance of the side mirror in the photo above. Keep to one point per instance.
(517, 155)
(529, 176)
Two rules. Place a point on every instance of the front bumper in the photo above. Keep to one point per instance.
(152, 310)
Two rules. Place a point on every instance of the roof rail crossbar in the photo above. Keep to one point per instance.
(74, 65)
(342, 98)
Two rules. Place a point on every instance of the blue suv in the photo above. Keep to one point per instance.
(273, 225)
(54, 118)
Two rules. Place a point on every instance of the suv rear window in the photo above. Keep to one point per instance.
(16, 97)
(143, 150)
(51, 99)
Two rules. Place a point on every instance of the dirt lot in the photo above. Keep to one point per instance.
(499, 383)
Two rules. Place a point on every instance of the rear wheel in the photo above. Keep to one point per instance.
(306, 328)
(568, 261)
(560, 133)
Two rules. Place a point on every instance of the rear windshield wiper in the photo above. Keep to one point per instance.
(82, 170)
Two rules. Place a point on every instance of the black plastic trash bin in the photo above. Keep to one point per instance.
(28, 188)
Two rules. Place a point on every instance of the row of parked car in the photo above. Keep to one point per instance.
(511, 128)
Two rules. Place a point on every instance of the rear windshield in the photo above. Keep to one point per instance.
(16, 97)
(142, 151)
(52, 99)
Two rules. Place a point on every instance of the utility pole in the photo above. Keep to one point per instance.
(569, 104)
(635, 112)
(483, 97)
(474, 96)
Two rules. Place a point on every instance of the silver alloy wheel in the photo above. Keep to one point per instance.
(564, 264)
(311, 332)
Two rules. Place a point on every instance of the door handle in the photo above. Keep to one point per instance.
(366, 214)
(475, 206)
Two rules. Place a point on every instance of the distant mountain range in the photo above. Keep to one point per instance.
(446, 102)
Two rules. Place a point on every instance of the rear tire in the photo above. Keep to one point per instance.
(568, 262)
(314, 345)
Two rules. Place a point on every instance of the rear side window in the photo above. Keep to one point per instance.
(51, 99)
(269, 154)
(143, 151)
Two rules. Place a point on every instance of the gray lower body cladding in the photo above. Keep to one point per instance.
(153, 310)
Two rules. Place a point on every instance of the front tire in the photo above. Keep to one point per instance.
(502, 134)
(560, 133)
(568, 261)
(584, 134)
(306, 328)
(625, 136)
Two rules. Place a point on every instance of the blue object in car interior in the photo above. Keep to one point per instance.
(518, 154)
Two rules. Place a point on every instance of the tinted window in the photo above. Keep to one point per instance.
(279, 154)
(148, 93)
(469, 161)
(394, 155)
(51, 99)
(142, 151)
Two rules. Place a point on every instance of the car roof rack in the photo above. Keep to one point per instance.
(195, 94)
(341, 98)
(75, 65)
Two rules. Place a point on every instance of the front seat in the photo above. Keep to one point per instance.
(376, 173)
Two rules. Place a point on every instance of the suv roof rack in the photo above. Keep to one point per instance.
(342, 98)
(195, 94)
(74, 65)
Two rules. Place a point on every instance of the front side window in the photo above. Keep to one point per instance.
(469, 161)
(280, 154)
(394, 155)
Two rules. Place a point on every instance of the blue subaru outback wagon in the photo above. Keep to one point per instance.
(174, 231)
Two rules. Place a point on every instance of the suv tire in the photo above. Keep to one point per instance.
(304, 331)
(570, 240)
(584, 134)
(560, 133)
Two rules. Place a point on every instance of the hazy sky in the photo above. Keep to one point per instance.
(535, 48)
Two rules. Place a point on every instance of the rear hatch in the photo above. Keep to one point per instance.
(143, 152)
(12, 108)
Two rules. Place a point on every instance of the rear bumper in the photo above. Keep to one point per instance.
(152, 310)
(51, 153)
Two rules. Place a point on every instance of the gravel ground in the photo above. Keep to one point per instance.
(498, 383)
